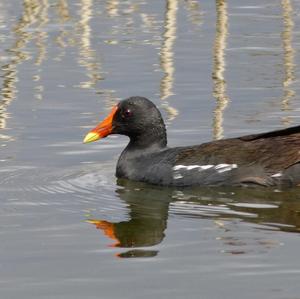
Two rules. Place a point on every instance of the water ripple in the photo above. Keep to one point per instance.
(190, 209)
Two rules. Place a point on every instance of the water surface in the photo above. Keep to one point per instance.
(216, 69)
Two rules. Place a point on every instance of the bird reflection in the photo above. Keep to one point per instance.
(148, 213)
(150, 206)
(219, 91)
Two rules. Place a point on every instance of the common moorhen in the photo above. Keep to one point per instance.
(266, 159)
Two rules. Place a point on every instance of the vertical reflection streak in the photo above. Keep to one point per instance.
(3, 101)
(167, 57)
(86, 53)
(8, 91)
(41, 42)
(112, 8)
(288, 58)
(193, 8)
(63, 10)
(42, 36)
(219, 83)
(64, 16)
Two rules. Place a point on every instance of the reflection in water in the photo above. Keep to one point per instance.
(150, 206)
(112, 7)
(88, 57)
(195, 15)
(7, 92)
(41, 33)
(86, 53)
(148, 213)
(149, 25)
(263, 206)
(64, 16)
(167, 56)
(41, 42)
(34, 13)
(219, 91)
(63, 10)
(4, 99)
(288, 57)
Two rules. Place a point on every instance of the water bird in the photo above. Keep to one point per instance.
(268, 159)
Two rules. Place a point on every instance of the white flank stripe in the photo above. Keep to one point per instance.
(189, 167)
(225, 167)
(276, 175)
(219, 167)
(204, 167)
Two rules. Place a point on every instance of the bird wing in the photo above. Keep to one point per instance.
(273, 151)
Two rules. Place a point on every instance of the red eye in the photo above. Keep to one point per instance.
(127, 113)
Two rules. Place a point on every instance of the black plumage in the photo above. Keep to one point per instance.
(267, 159)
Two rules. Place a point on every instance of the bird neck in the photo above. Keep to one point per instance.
(151, 139)
(138, 147)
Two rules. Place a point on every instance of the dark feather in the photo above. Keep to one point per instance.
(274, 151)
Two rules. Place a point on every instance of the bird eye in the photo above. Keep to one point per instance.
(127, 113)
